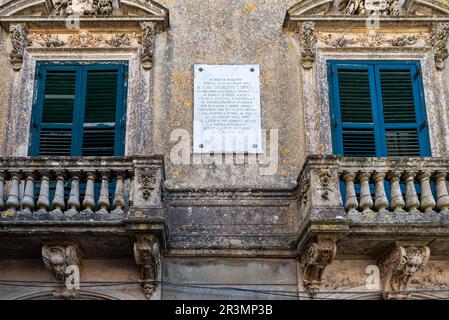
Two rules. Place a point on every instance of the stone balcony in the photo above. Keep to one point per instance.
(391, 210)
(97, 207)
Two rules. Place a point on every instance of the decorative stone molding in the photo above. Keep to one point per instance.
(86, 39)
(372, 39)
(83, 7)
(148, 257)
(147, 42)
(148, 180)
(366, 7)
(45, 40)
(19, 43)
(63, 262)
(439, 37)
(314, 259)
(325, 183)
(430, 7)
(308, 42)
(399, 265)
(83, 39)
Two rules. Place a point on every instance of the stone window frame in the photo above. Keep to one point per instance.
(315, 94)
(23, 85)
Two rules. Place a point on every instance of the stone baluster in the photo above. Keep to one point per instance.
(43, 203)
(119, 199)
(89, 200)
(442, 193)
(366, 201)
(397, 201)
(58, 200)
(103, 199)
(351, 202)
(73, 203)
(13, 203)
(2, 190)
(28, 195)
(381, 202)
(427, 200)
(411, 197)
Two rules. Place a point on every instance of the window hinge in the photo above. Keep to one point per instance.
(422, 125)
(335, 123)
(417, 73)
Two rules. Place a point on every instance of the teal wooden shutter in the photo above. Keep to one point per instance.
(353, 121)
(53, 120)
(400, 107)
(100, 113)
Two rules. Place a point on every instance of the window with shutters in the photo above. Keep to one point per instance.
(79, 110)
(377, 109)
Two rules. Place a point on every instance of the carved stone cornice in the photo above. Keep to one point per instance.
(19, 43)
(439, 39)
(399, 265)
(148, 256)
(63, 261)
(308, 41)
(316, 256)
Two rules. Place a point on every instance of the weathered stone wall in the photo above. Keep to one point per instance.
(91, 270)
(4, 86)
(228, 32)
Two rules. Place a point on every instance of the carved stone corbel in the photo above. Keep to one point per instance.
(64, 262)
(314, 259)
(147, 39)
(398, 266)
(148, 256)
(308, 42)
(439, 37)
(19, 42)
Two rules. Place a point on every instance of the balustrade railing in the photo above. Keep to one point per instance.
(379, 185)
(68, 186)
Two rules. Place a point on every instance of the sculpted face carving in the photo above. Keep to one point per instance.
(148, 257)
(314, 259)
(399, 265)
(59, 258)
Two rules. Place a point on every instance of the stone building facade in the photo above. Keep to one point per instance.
(155, 221)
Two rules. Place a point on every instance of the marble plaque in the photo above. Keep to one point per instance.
(227, 109)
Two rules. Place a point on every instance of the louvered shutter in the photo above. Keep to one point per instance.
(58, 101)
(100, 113)
(378, 109)
(400, 109)
(356, 117)
(79, 110)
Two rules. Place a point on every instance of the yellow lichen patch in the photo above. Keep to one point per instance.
(249, 7)
(187, 103)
